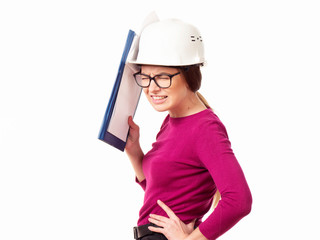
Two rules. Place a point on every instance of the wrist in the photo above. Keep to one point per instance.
(196, 235)
(134, 151)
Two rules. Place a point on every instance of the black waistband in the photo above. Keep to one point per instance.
(142, 231)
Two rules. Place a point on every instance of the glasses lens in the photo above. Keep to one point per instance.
(142, 80)
(163, 81)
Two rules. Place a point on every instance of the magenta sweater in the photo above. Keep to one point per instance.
(190, 160)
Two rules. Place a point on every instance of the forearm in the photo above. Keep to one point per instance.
(196, 235)
(136, 155)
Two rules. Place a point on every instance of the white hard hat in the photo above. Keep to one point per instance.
(170, 42)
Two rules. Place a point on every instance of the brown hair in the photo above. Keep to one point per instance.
(193, 77)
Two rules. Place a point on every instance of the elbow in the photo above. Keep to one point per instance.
(241, 204)
(246, 204)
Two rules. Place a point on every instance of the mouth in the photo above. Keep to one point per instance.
(157, 99)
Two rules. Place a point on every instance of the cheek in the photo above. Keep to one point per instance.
(145, 90)
(179, 91)
(179, 87)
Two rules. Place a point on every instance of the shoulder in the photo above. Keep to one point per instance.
(210, 128)
(210, 120)
(211, 140)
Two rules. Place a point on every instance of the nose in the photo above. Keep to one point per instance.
(153, 87)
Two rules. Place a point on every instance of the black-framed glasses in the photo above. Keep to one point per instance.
(161, 80)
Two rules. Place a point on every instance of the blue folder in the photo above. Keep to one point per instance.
(106, 134)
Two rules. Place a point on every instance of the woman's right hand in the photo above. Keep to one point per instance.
(133, 138)
(134, 150)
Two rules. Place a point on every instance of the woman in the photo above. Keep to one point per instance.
(192, 159)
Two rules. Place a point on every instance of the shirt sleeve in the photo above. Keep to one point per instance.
(214, 151)
(142, 184)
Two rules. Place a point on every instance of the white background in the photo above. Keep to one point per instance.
(58, 62)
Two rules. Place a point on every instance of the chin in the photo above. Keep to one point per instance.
(159, 108)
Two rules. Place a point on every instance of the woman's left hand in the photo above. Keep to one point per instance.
(173, 228)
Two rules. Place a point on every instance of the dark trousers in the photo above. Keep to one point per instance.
(154, 236)
(143, 233)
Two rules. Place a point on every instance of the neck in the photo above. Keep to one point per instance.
(191, 105)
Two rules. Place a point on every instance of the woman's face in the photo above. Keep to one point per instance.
(172, 99)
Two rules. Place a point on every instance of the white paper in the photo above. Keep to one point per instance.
(125, 105)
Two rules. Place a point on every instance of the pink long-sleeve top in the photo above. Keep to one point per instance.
(190, 160)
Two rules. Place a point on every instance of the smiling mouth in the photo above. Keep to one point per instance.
(158, 100)
(158, 97)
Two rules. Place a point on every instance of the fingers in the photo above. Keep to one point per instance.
(156, 229)
(132, 124)
(158, 220)
(133, 145)
(162, 221)
(168, 211)
(172, 227)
